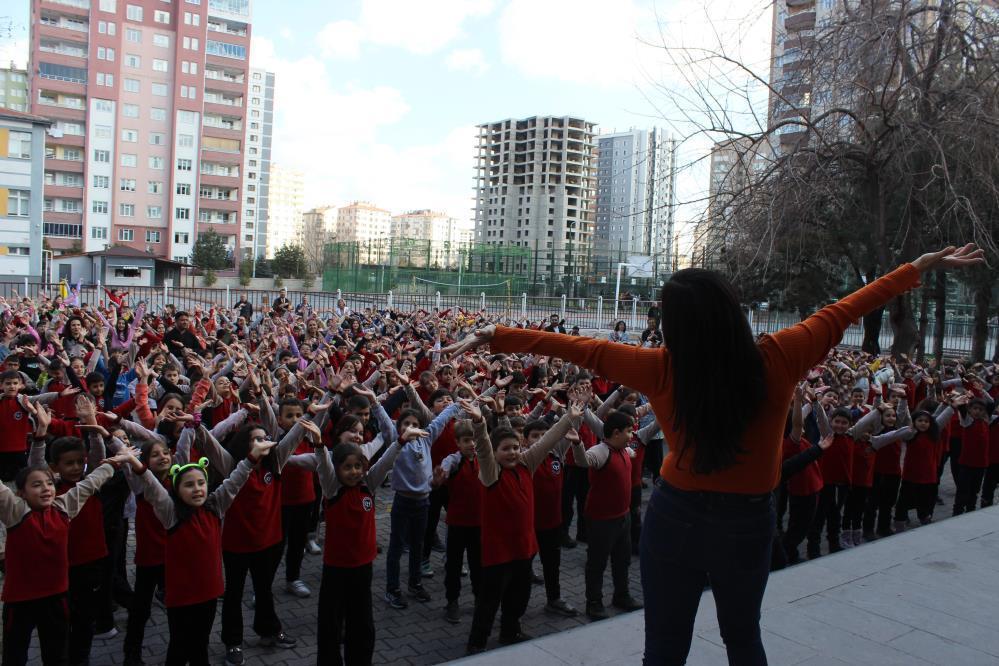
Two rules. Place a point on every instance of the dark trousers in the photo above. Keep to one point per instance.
(635, 514)
(608, 539)
(574, 490)
(190, 628)
(114, 581)
(880, 502)
(409, 522)
(969, 484)
(654, 457)
(828, 515)
(853, 512)
(438, 501)
(345, 615)
(919, 496)
(691, 539)
(801, 515)
(506, 586)
(261, 565)
(84, 596)
(147, 579)
(11, 464)
(550, 552)
(296, 523)
(462, 540)
(50, 615)
(989, 485)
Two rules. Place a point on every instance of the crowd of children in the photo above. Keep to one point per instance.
(226, 438)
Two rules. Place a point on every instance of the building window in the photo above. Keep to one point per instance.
(102, 182)
(128, 160)
(191, 43)
(160, 65)
(156, 113)
(102, 156)
(102, 105)
(159, 89)
(162, 41)
(126, 210)
(99, 233)
(133, 12)
(155, 162)
(154, 213)
(152, 236)
(182, 213)
(133, 61)
(225, 49)
(109, 6)
(19, 145)
(132, 85)
(133, 35)
(18, 202)
(104, 79)
(156, 138)
(183, 188)
(161, 16)
(130, 110)
(129, 135)
(126, 184)
(105, 53)
(187, 117)
(99, 206)
(185, 140)
(183, 165)
(126, 235)
(181, 238)
(154, 187)
(188, 92)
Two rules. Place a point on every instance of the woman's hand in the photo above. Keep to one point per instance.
(477, 339)
(950, 257)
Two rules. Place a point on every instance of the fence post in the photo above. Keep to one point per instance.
(390, 300)
(228, 298)
(26, 286)
(97, 295)
(750, 317)
(634, 313)
(600, 310)
(563, 307)
(339, 295)
(438, 301)
(523, 305)
(482, 300)
(166, 296)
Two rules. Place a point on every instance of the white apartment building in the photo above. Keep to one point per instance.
(257, 164)
(285, 207)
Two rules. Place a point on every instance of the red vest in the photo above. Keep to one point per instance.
(888, 460)
(637, 463)
(610, 488)
(837, 461)
(508, 518)
(150, 535)
(37, 556)
(809, 480)
(862, 475)
(253, 522)
(297, 484)
(975, 445)
(350, 528)
(15, 425)
(464, 505)
(86, 531)
(588, 439)
(921, 459)
(444, 445)
(193, 567)
(548, 494)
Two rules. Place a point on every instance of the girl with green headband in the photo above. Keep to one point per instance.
(193, 571)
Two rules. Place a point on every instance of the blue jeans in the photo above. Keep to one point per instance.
(409, 521)
(694, 539)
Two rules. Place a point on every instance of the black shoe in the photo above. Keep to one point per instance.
(627, 604)
(560, 607)
(234, 655)
(567, 542)
(475, 649)
(596, 611)
(537, 580)
(453, 612)
(419, 593)
(513, 639)
(395, 600)
(279, 639)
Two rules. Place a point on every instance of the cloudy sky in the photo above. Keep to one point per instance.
(379, 99)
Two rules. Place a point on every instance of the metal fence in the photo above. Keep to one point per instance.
(591, 315)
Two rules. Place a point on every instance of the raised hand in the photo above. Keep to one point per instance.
(950, 257)
(312, 430)
(476, 339)
(410, 433)
(85, 409)
(826, 441)
(261, 448)
(471, 409)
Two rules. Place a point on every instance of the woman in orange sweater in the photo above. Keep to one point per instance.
(711, 517)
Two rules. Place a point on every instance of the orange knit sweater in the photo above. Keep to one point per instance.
(787, 357)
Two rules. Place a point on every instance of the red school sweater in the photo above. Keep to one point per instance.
(86, 531)
(609, 496)
(922, 455)
(193, 566)
(465, 495)
(15, 425)
(298, 485)
(548, 481)
(837, 461)
(508, 518)
(37, 556)
(253, 522)
(809, 480)
(150, 535)
(350, 528)
(975, 445)
(862, 473)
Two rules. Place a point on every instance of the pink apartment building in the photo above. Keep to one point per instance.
(150, 119)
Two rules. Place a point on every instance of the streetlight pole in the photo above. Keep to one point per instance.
(617, 289)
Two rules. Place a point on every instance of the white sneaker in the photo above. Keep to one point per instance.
(106, 635)
(297, 588)
(311, 547)
(846, 539)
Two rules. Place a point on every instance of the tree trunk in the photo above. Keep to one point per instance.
(903, 324)
(924, 322)
(872, 331)
(980, 331)
(939, 315)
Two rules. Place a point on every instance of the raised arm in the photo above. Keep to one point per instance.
(222, 497)
(488, 469)
(158, 497)
(534, 456)
(867, 423)
(71, 502)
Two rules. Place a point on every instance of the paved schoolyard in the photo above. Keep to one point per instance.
(420, 635)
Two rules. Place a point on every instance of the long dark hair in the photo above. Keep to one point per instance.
(238, 446)
(708, 337)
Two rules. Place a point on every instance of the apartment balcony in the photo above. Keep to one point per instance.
(223, 62)
(221, 132)
(802, 21)
(800, 3)
(60, 32)
(59, 217)
(219, 180)
(58, 85)
(60, 112)
(225, 85)
(71, 166)
(63, 192)
(74, 140)
(75, 7)
(228, 205)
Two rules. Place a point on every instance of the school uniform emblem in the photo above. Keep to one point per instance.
(268, 477)
(18, 415)
(556, 466)
(367, 504)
